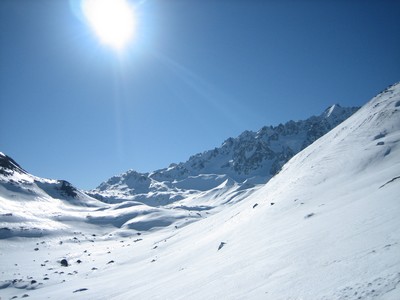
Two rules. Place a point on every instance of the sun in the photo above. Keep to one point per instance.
(113, 21)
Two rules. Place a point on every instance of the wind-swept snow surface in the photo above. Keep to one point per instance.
(326, 227)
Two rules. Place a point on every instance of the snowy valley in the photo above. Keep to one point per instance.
(303, 210)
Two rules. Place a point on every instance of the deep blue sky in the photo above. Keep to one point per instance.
(197, 73)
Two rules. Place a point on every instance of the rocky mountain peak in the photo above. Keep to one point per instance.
(8, 165)
(252, 155)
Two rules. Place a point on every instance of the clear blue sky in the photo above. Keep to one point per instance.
(197, 73)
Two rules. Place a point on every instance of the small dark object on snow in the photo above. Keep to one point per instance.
(221, 245)
(78, 261)
(64, 262)
(36, 249)
(139, 233)
(94, 268)
(80, 290)
(153, 260)
(272, 203)
(255, 205)
(309, 215)
(25, 295)
(110, 262)
(46, 278)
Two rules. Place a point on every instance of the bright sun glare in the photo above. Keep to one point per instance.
(113, 21)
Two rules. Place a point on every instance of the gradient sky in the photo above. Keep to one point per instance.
(196, 73)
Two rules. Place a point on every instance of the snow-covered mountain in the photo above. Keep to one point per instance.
(32, 206)
(173, 196)
(14, 178)
(251, 158)
(325, 227)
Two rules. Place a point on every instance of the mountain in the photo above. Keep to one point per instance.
(251, 158)
(32, 206)
(173, 196)
(14, 178)
(325, 227)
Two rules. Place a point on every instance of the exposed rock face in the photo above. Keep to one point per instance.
(8, 166)
(252, 156)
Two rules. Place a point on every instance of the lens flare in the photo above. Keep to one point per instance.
(113, 21)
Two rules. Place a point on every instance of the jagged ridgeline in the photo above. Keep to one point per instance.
(325, 227)
(252, 157)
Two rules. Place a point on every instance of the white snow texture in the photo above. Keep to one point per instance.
(326, 226)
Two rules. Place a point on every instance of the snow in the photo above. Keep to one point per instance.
(252, 154)
(326, 227)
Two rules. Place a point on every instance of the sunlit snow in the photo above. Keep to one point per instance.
(325, 227)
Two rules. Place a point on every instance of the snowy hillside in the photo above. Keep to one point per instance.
(325, 227)
(250, 159)
(31, 206)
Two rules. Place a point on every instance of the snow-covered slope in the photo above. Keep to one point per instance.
(326, 227)
(34, 206)
(252, 158)
(31, 206)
